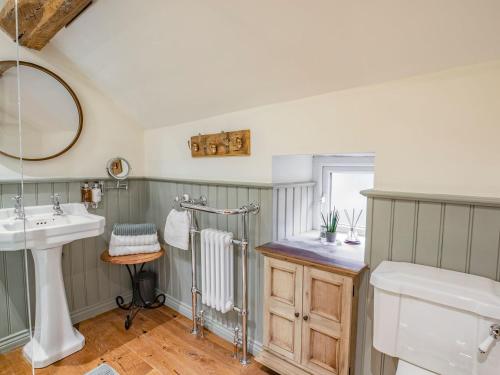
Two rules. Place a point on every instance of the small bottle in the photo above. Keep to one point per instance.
(86, 194)
(96, 194)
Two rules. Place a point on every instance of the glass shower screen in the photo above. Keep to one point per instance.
(16, 264)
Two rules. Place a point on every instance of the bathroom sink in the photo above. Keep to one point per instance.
(46, 232)
(44, 229)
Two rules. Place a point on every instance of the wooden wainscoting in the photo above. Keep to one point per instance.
(459, 233)
(174, 270)
(292, 209)
(90, 284)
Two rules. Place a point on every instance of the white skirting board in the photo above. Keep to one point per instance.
(13, 341)
(254, 347)
(22, 337)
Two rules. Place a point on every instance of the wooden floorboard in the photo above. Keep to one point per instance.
(158, 342)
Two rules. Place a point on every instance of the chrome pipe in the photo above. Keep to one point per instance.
(200, 205)
(194, 289)
(235, 242)
(244, 311)
(250, 208)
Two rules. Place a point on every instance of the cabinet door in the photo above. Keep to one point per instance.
(283, 307)
(326, 322)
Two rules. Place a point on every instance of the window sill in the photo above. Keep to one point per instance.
(310, 241)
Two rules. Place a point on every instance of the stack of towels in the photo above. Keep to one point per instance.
(129, 239)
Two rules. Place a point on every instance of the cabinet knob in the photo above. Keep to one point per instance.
(297, 314)
(306, 317)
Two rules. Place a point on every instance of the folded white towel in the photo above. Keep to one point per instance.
(177, 229)
(143, 239)
(129, 250)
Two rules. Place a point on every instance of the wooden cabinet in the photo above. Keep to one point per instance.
(283, 307)
(326, 326)
(309, 318)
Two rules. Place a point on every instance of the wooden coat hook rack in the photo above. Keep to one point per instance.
(235, 143)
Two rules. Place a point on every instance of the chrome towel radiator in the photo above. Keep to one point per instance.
(200, 205)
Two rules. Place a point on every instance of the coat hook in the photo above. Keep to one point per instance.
(195, 147)
(224, 143)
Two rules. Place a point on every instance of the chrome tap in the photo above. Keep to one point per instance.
(18, 207)
(56, 205)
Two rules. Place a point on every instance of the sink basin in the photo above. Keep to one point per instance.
(44, 229)
(54, 336)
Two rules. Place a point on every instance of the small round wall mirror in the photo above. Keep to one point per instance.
(118, 168)
(51, 115)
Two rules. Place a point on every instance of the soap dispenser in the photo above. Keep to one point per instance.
(86, 194)
(96, 194)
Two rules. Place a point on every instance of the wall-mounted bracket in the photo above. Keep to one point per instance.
(119, 185)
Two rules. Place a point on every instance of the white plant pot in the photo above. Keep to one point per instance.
(331, 237)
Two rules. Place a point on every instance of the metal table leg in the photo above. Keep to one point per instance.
(137, 303)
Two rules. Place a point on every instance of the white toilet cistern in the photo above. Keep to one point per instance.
(417, 310)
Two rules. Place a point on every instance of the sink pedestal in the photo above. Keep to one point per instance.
(54, 337)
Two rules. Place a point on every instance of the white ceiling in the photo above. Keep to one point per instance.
(166, 62)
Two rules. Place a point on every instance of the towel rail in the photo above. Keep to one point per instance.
(200, 205)
(249, 208)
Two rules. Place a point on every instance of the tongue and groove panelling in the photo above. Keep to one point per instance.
(451, 232)
(174, 270)
(457, 233)
(292, 209)
(90, 284)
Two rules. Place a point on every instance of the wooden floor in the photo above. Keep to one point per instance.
(158, 342)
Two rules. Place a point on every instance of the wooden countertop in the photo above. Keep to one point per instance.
(320, 255)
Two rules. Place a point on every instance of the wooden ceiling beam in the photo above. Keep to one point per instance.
(39, 20)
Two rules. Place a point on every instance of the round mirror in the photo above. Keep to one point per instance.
(51, 115)
(118, 168)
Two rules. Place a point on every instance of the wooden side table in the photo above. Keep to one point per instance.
(137, 303)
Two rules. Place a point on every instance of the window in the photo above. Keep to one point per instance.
(341, 186)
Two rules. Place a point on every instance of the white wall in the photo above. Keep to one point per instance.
(432, 133)
(185, 60)
(107, 132)
(292, 168)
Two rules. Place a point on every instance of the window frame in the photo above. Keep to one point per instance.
(341, 163)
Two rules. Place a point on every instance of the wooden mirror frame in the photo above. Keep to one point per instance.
(6, 65)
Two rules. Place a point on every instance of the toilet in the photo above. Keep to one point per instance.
(436, 321)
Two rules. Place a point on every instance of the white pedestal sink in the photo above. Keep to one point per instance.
(54, 337)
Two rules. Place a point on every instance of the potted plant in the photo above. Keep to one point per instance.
(330, 221)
